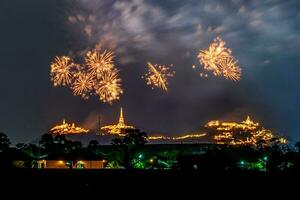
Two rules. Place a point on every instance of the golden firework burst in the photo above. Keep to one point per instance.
(230, 69)
(157, 76)
(109, 87)
(216, 57)
(99, 62)
(83, 84)
(61, 71)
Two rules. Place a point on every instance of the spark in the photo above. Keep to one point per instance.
(230, 69)
(96, 76)
(99, 62)
(109, 87)
(83, 85)
(61, 71)
(218, 59)
(158, 75)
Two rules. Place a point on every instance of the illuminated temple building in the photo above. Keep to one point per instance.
(245, 132)
(66, 129)
(118, 129)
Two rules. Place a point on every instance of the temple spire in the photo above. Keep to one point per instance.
(121, 119)
(118, 129)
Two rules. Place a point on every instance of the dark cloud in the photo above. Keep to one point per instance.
(264, 36)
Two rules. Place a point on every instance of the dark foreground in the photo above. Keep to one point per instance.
(88, 180)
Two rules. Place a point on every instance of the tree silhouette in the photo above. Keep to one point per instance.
(57, 143)
(47, 142)
(33, 150)
(94, 146)
(297, 145)
(76, 145)
(261, 144)
(4, 142)
(133, 140)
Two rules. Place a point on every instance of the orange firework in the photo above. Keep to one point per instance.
(218, 59)
(83, 85)
(99, 62)
(97, 76)
(109, 87)
(157, 76)
(230, 69)
(61, 71)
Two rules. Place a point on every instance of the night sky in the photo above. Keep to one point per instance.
(263, 35)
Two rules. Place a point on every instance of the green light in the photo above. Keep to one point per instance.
(140, 156)
(259, 166)
(265, 158)
(242, 162)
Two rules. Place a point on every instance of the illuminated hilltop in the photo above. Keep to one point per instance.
(246, 132)
(118, 129)
(242, 133)
(67, 129)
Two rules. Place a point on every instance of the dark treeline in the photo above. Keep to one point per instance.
(132, 152)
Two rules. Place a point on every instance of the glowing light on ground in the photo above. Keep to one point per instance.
(183, 137)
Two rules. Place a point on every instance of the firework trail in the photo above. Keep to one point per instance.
(157, 76)
(230, 69)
